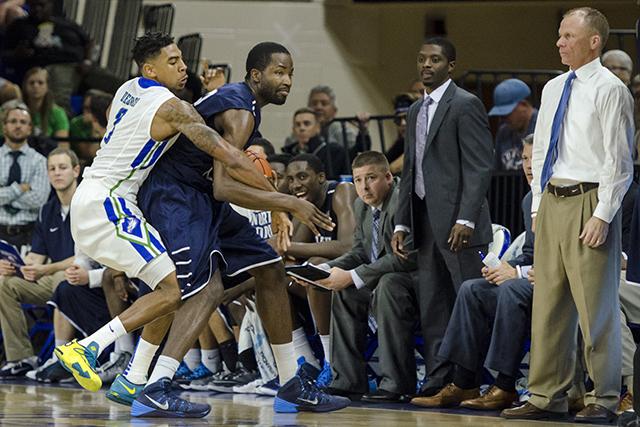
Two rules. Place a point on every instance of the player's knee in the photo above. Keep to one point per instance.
(171, 298)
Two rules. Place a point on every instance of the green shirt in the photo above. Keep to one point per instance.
(58, 120)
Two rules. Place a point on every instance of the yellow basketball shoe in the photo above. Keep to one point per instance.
(81, 362)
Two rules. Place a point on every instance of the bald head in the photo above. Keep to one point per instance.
(619, 63)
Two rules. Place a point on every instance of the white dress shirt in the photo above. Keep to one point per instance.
(596, 138)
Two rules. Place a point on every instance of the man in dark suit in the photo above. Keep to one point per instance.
(448, 160)
(371, 265)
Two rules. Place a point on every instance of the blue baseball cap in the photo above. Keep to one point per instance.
(507, 95)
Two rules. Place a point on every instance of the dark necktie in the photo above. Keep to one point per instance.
(556, 128)
(15, 175)
(374, 237)
(422, 125)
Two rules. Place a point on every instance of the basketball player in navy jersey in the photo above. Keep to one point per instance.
(200, 231)
(306, 179)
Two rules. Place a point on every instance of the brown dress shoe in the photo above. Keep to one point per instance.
(594, 413)
(495, 398)
(451, 395)
(530, 412)
(576, 404)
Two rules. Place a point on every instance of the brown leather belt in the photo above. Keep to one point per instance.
(572, 190)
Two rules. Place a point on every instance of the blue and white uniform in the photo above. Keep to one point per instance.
(106, 223)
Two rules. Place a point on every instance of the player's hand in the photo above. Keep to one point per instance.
(6, 268)
(397, 244)
(531, 276)
(459, 237)
(33, 272)
(338, 279)
(500, 274)
(121, 286)
(211, 78)
(76, 275)
(311, 216)
(282, 228)
(594, 233)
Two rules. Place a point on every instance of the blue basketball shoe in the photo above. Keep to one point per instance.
(324, 378)
(301, 393)
(157, 400)
(124, 391)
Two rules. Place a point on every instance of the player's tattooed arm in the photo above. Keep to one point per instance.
(183, 117)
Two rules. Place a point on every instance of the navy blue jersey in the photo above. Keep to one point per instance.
(52, 235)
(327, 207)
(188, 164)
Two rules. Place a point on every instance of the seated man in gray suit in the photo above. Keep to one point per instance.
(371, 265)
(491, 317)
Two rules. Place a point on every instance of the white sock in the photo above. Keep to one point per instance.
(105, 335)
(165, 367)
(303, 348)
(192, 358)
(60, 342)
(139, 364)
(211, 359)
(285, 355)
(326, 346)
(124, 343)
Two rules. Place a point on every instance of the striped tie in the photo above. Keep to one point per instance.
(374, 237)
(422, 126)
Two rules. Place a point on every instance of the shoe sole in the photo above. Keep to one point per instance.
(85, 376)
(282, 406)
(140, 410)
(117, 399)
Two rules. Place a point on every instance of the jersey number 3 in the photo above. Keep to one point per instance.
(119, 115)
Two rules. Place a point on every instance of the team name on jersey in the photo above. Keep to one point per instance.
(129, 99)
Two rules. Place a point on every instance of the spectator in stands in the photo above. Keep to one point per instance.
(10, 10)
(262, 147)
(306, 179)
(9, 91)
(307, 138)
(417, 88)
(322, 100)
(619, 63)
(91, 124)
(35, 282)
(490, 324)
(23, 176)
(401, 104)
(371, 265)
(49, 119)
(510, 102)
(44, 40)
(587, 190)
(279, 164)
(448, 160)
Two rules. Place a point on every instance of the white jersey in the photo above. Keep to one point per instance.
(127, 151)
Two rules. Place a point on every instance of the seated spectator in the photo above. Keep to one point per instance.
(395, 154)
(23, 179)
(91, 124)
(371, 265)
(9, 91)
(417, 88)
(619, 63)
(49, 119)
(510, 102)
(262, 147)
(307, 139)
(489, 325)
(10, 10)
(306, 179)
(279, 164)
(35, 282)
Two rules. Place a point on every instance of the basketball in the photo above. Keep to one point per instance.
(260, 164)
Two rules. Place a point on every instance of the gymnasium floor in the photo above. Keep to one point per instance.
(27, 404)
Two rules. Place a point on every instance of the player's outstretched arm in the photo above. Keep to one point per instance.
(183, 117)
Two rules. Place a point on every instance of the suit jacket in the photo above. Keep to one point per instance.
(526, 257)
(359, 257)
(457, 167)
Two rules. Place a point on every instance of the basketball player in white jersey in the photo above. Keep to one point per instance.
(144, 120)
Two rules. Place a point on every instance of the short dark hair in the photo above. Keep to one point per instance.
(67, 152)
(259, 56)
(448, 48)
(283, 158)
(149, 46)
(99, 105)
(312, 160)
(265, 144)
(367, 158)
(305, 110)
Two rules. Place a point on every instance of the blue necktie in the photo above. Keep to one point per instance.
(422, 124)
(556, 128)
(374, 238)
(15, 175)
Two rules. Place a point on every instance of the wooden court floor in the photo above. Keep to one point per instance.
(27, 404)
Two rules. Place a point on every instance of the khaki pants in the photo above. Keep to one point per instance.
(574, 284)
(15, 291)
